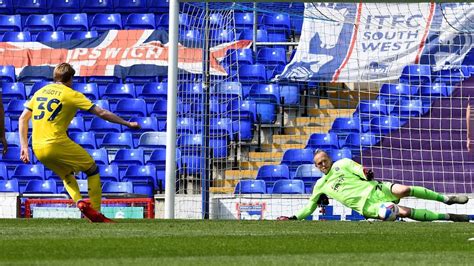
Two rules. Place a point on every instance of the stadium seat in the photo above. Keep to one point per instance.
(100, 125)
(416, 74)
(373, 107)
(221, 127)
(73, 22)
(450, 76)
(50, 36)
(100, 156)
(13, 91)
(385, 124)
(7, 73)
(31, 6)
(117, 141)
(245, 20)
(13, 36)
(140, 21)
(290, 95)
(265, 93)
(160, 109)
(356, 141)
(15, 108)
(40, 22)
(3, 172)
(28, 172)
(435, 90)
(9, 186)
(271, 173)
(152, 140)
(13, 139)
(190, 92)
(83, 187)
(252, 73)
(117, 187)
(127, 6)
(12, 158)
(271, 56)
(96, 6)
(250, 187)
(109, 172)
(65, 6)
(322, 141)
(81, 35)
(146, 124)
(190, 37)
(105, 22)
(277, 22)
(346, 125)
(243, 115)
(143, 178)
(41, 187)
(309, 174)
(10, 23)
(295, 157)
(222, 36)
(90, 90)
(227, 91)
(154, 91)
(216, 20)
(185, 125)
(185, 21)
(128, 108)
(262, 35)
(8, 126)
(158, 6)
(6, 7)
(236, 57)
(129, 157)
(85, 139)
(104, 104)
(118, 91)
(408, 108)
(392, 92)
(337, 154)
(288, 187)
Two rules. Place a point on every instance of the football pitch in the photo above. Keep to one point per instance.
(180, 242)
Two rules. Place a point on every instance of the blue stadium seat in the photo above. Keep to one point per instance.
(140, 80)
(73, 22)
(7, 73)
(15, 108)
(109, 172)
(129, 157)
(90, 90)
(41, 187)
(10, 23)
(12, 158)
(15, 36)
(126, 6)
(408, 108)
(119, 91)
(250, 187)
(50, 36)
(277, 37)
(290, 95)
(95, 6)
(140, 21)
(416, 74)
(288, 187)
(265, 93)
(235, 57)
(146, 124)
(40, 22)
(100, 156)
(356, 141)
(83, 187)
(38, 86)
(296, 157)
(449, 76)
(160, 109)
(117, 187)
(105, 22)
(31, 6)
(322, 141)
(158, 6)
(185, 125)
(143, 178)
(162, 22)
(13, 139)
(262, 35)
(252, 73)
(271, 173)
(277, 22)
(271, 56)
(3, 172)
(190, 92)
(221, 127)
(227, 91)
(26, 172)
(100, 125)
(216, 20)
(385, 124)
(245, 20)
(128, 108)
(117, 141)
(81, 35)
(6, 7)
(190, 37)
(104, 104)
(13, 91)
(243, 115)
(9, 186)
(103, 81)
(65, 6)
(309, 174)
(337, 154)
(85, 139)
(345, 125)
(152, 140)
(392, 92)
(373, 107)
(222, 36)
(8, 125)
(436, 90)
(154, 91)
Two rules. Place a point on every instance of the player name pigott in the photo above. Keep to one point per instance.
(52, 92)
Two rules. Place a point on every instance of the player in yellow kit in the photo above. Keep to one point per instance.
(52, 109)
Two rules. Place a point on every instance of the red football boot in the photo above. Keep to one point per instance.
(91, 214)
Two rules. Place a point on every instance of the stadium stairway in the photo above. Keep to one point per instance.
(297, 130)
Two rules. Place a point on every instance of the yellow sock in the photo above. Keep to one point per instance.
(95, 191)
(70, 183)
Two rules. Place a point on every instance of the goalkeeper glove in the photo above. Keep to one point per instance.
(369, 174)
(284, 218)
(323, 200)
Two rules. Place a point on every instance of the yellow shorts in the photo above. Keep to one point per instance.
(64, 158)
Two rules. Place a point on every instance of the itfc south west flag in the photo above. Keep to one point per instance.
(115, 53)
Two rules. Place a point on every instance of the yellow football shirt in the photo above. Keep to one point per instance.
(53, 107)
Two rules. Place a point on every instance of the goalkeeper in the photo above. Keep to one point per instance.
(347, 182)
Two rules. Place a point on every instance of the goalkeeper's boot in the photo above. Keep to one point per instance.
(457, 200)
(91, 214)
(458, 217)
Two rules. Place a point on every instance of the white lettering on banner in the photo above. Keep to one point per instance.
(111, 52)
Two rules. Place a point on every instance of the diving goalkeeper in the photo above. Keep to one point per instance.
(347, 182)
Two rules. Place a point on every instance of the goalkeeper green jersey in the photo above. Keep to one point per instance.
(346, 183)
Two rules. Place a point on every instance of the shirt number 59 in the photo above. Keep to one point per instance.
(53, 106)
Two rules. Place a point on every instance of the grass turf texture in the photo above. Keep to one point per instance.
(65, 242)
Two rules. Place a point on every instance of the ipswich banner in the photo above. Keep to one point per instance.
(353, 42)
(117, 53)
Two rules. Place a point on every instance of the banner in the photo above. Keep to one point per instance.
(353, 42)
(115, 53)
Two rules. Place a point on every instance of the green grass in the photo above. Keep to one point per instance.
(144, 242)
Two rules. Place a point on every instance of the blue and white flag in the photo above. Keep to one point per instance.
(353, 42)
